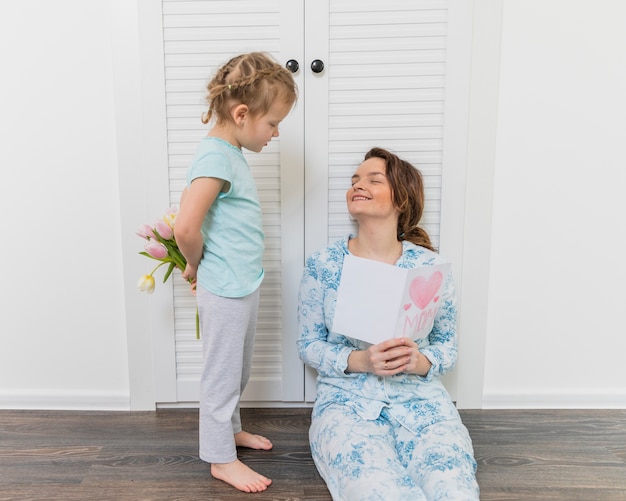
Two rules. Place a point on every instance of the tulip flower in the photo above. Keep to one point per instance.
(156, 249)
(162, 247)
(164, 229)
(145, 231)
(170, 216)
(146, 284)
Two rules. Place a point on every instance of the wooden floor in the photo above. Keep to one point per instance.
(522, 455)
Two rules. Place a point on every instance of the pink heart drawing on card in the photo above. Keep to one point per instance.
(422, 290)
(407, 306)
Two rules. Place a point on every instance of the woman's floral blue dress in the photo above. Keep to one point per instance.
(373, 438)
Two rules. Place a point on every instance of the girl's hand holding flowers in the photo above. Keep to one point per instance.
(161, 246)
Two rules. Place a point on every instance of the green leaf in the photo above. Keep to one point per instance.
(170, 268)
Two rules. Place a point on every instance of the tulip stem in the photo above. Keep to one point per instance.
(156, 268)
(197, 324)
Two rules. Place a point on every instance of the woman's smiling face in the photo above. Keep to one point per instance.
(370, 193)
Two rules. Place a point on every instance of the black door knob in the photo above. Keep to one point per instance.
(292, 65)
(317, 66)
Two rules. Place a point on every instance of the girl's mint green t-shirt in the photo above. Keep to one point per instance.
(232, 229)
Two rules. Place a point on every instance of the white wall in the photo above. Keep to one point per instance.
(555, 329)
(542, 288)
(62, 322)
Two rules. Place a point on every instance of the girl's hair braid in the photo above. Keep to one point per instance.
(253, 79)
(407, 195)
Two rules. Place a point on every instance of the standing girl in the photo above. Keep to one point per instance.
(219, 231)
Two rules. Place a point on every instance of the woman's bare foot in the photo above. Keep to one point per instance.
(240, 476)
(245, 439)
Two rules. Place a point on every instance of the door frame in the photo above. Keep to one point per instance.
(144, 193)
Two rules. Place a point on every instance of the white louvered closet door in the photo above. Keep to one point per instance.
(387, 64)
(198, 37)
(383, 84)
(386, 76)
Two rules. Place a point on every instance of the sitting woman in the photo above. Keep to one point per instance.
(383, 426)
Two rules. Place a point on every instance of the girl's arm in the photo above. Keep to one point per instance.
(195, 203)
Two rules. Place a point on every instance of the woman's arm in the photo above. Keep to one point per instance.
(442, 347)
(320, 277)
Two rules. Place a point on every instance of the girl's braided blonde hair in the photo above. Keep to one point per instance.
(253, 79)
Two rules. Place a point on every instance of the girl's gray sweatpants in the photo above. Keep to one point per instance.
(228, 327)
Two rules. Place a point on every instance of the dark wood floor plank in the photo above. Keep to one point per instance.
(79, 453)
(619, 451)
(546, 454)
(557, 494)
(50, 492)
(554, 477)
(605, 427)
(522, 455)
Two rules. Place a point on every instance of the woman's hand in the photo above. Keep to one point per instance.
(393, 356)
(417, 363)
(389, 358)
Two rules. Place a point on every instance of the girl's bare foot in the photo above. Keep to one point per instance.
(245, 439)
(240, 476)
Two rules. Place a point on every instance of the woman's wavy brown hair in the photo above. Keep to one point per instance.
(407, 195)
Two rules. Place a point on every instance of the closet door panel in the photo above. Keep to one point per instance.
(198, 37)
(386, 73)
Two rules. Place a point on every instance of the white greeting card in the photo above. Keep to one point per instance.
(378, 301)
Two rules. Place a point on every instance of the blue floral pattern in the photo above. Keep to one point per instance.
(397, 437)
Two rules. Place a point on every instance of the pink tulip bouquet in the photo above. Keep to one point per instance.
(161, 246)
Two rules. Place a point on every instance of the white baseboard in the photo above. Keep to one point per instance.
(65, 400)
(554, 400)
(244, 405)
(120, 401)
